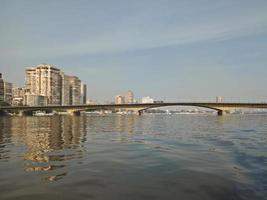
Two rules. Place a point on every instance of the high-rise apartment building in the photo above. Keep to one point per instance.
(57, 87)
(83, 93)
(45, 80)
(5, 91)
(2, 89)
(119, 99)
(75, 90)
(130, 97)
(65, 90)
(8, 92)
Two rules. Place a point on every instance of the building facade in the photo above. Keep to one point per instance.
(219, 99)
(147, 100)
(129, 97)
(90, 102)
(65, 90)
(5, 91)
(2, 89)
(58, 88)
(75, 90)
(83, 93)
(8, 92)
(18, 95)
(45, 80)
(119, 99)
(35, 100)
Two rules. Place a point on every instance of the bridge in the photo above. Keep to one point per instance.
(221, 108)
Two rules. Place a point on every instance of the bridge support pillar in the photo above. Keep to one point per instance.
(74, 112)
(140, 112)
(220, 112)
(3, 113)
(21, 113)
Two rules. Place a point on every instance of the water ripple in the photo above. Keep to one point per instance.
(134, 157)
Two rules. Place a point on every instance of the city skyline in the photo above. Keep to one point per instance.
(169, 50)
(44, 85)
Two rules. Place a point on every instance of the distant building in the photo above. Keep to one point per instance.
(58, 88)
(158, 101)
(72, 93)
(83, 93)
(5, 91)
(129, 97)
(147, 100)
(8, 92)
(2, 89)
(90, 102)
(219, 99)
(75, 90)
(119, 99)
(65, 91)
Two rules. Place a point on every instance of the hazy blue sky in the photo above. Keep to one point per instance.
(168, 49)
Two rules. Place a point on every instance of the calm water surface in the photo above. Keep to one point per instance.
(134, 157)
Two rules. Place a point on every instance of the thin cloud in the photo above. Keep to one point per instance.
(133, 38)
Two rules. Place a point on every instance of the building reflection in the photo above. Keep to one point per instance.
(4, 138)
(124, 124)
(49, 145)
(49, 140)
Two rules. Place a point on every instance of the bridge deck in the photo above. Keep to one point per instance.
(211, 105)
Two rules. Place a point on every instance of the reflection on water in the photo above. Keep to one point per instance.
(133, 157)
(44, 139)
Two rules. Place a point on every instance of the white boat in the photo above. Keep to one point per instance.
(63, 113)
(42, 113)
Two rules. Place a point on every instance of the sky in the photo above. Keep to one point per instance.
(172, 50)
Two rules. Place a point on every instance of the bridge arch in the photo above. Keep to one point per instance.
(219, 111)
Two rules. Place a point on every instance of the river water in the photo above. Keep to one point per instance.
(126, 157)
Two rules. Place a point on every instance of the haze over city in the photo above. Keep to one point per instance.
(170, 50)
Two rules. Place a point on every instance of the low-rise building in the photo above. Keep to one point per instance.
(18, 95)
(35, 100)
(147, 100)
(219, 99)
(91, 102)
